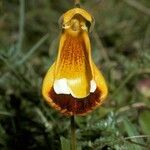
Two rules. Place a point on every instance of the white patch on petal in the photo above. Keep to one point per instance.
(61, 87)
(92, 86)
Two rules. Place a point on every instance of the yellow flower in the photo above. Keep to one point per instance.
(73, 84)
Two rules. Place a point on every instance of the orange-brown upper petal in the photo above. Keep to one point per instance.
(73, 64)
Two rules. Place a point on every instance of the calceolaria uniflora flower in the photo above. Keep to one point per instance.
(73, 85)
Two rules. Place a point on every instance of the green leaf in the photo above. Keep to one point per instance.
(33, 49)
(5, 113)
(65, 143)
(145, 121)
(132, 131)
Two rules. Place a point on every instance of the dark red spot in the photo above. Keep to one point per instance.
(75, 105)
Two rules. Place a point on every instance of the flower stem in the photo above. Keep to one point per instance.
(73, 134)
(77, 3)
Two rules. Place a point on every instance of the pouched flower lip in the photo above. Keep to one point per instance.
(73, 85)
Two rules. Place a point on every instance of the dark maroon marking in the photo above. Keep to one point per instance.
(75, 105)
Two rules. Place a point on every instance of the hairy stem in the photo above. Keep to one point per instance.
(77, 3)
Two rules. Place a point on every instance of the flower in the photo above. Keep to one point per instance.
(73, 85)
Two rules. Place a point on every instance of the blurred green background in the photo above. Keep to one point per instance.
(120, 47)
